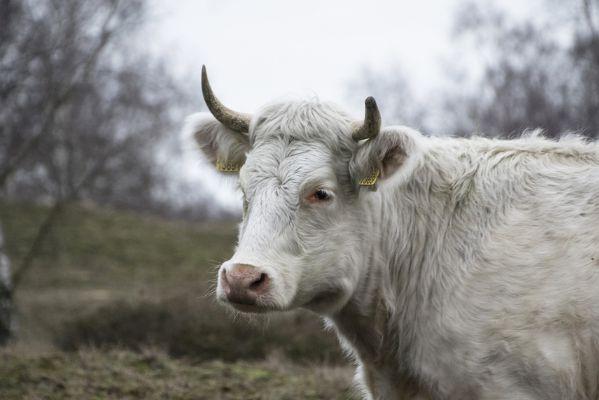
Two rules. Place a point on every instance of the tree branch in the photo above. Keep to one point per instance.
(104, 38)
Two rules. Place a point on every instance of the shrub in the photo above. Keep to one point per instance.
(201, 330)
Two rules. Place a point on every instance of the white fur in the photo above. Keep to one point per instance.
(472, 273)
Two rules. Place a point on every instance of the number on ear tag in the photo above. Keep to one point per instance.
(370, 180)
(227, 166)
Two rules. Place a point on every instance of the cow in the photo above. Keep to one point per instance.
(449, 268)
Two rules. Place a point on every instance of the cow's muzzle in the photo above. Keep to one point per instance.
(243, 284)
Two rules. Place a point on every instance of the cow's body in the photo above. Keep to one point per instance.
(471, 273)
(485, 273)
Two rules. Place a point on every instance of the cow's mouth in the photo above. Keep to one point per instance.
(253, 308)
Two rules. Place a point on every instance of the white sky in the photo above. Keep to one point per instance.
(258, 51)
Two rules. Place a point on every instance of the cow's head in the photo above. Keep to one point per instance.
(300, 167)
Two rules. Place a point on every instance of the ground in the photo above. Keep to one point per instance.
(119, 305)
(94, 374)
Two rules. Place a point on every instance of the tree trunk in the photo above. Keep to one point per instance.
(42, 232)
(6, 304)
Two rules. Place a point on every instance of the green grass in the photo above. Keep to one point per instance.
(121, 283)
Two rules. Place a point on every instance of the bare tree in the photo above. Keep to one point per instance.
(5, 293)
(49, 48)
(531, 79)
(393, 93)
(7, 11)
(82, 112)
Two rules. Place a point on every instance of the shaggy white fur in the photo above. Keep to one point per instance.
(471, 273)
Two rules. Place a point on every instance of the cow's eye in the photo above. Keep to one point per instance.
(318, 196)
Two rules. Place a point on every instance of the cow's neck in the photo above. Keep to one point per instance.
(362, 322)
(418, 262)
(365, 324)
(398, 282)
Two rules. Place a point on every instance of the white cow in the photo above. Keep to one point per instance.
(471, 273)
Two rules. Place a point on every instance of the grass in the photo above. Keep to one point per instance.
(95, 257)
(108, 285)
(104, 248)
(91, 374)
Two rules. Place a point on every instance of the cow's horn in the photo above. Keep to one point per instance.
(372, 121)
(238, 122)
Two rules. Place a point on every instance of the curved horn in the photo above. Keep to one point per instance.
(372, 121)
(238, 122)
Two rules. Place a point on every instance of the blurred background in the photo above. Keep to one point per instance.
(111, 223)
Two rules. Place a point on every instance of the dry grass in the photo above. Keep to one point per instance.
(92, 374)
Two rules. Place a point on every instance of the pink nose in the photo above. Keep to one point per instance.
(243, 283)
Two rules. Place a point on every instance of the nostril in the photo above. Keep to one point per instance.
(223, 275)
(260, 282)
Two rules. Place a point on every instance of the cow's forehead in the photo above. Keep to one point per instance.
(303, 121)
(295, 141)
(287, 162)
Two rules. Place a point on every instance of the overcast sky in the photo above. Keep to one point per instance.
(258, 51)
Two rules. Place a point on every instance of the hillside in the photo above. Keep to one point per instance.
(121, 284)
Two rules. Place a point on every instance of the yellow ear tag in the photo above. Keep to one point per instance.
(227, 166)
(370, 180)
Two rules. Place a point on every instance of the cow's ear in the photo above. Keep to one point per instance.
(392, 155)
(223, 147)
